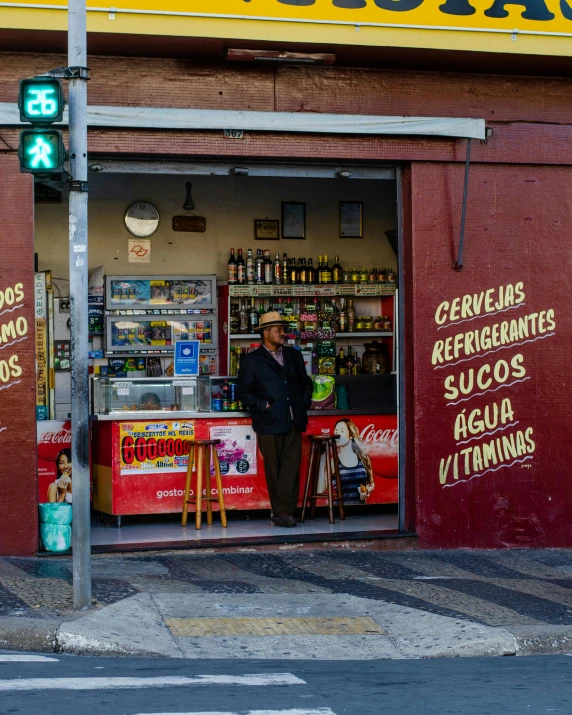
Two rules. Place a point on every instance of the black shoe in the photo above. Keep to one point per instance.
(284, 520)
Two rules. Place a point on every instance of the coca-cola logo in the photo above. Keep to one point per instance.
(370, 435)
(61, 437)
(51, 442)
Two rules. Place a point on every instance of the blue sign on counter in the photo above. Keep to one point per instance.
(187, 357)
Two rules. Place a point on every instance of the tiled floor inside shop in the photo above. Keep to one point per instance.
(239, 530)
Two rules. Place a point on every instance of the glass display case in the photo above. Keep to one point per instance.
(160, 292)
(217, 394)
(136, 334)
(146, 315)
(121, 395)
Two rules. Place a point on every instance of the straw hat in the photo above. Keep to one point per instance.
(269, 320)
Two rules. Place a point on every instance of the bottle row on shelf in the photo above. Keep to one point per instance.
(306, 317)
(262, 270)
(224, 399)
(320, 358)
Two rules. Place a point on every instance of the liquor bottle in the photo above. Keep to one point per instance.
(343, 317)
(243, 318)
(226, 396)
(234, 319)
(289, 308)
(294, 278)
(356, 365)
(253, 317)
(279, 308)
(335, 315)
(310, 272)
(240, 268)
(261, 311)
(277, 270)
(337, 271)
(302, 272)
(232, 269)
(351, 317)
(319, 271)
(349, 360)
(326, 271)
(259, 267)
(341, 363)
(250, 275)
(268, 270)
(285, 271)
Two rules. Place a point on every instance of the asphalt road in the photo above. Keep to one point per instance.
(71, 685)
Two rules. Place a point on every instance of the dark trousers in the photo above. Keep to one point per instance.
(282, 454)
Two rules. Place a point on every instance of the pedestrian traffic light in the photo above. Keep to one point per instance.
(41, 151)
(41, 100)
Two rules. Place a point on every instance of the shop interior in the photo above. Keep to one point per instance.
(201, 212)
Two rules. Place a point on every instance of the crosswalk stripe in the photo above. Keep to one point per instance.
(158, 682)
(27, 659)
(295, 711)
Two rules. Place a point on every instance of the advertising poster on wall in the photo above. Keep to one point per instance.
(41, 336)
(55, 472)
(367, 453)
(155, 447)
(237, 451)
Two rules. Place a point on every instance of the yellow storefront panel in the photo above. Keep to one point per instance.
(529, 27)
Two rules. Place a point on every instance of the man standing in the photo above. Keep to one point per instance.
(274, 386)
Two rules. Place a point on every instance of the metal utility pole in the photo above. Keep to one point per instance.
(78, 244)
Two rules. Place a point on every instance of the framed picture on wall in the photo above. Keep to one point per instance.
(351, 219)
(293, 219)
(266, 229)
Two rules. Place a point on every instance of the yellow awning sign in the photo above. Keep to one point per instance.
(526, 26)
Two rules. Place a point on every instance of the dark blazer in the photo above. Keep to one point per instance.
(262, 380)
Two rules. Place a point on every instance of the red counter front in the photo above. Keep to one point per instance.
(139, 466)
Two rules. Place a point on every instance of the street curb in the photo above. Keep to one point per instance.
(542, 639)
(43, 635)
(34, 634)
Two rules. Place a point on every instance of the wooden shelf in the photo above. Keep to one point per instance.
(326, 290)
(339, 336)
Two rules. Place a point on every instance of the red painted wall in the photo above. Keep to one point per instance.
(519, 221)
(18, 505)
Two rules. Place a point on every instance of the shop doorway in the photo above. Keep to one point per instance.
(347, 213)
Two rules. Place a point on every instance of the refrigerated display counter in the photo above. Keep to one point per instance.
(141, 428)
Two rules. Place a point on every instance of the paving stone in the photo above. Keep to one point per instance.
(540, 609)
(477, 563)
(45, 567)
(10, 603)
(111, 590)
(51, 594)
(444, 600)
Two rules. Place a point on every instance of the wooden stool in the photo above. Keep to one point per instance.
(326, 443)
(200, 452)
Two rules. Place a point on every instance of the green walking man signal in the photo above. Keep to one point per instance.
(41, 102)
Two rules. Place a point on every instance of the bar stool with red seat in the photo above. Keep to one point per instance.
(323, 443)
(200, 453)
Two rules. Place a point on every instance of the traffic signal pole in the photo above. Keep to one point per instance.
(78, 254)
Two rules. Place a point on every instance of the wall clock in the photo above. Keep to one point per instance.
(142, 219)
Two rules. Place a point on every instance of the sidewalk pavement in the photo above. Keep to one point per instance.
(295, 603)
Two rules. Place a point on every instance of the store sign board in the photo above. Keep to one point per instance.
(187, 354)
(41, 336)
(139, 250)
(237, 450)
(155, 447)
(247, 290)
(466, 24)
